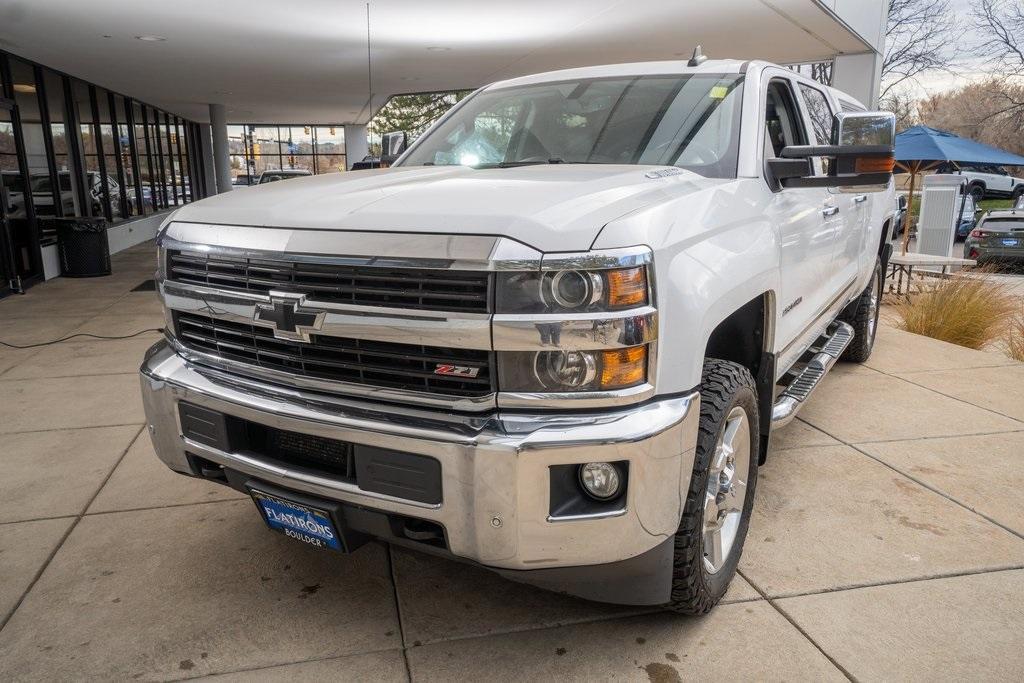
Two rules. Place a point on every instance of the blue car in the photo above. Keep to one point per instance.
(968, 218)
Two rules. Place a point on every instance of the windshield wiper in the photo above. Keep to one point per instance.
(515, 164)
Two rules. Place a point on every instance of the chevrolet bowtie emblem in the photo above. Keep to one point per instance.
(286, 315)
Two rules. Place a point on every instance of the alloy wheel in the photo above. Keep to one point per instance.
(726, 490)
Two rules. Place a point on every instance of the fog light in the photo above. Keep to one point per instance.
(600, 480)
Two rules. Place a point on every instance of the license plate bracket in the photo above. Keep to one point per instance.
(316, 523)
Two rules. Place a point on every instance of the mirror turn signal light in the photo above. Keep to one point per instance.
(623, 368)
(627, 287)
(875, 164)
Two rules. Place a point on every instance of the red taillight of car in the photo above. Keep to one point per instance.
(973, 254)
(980, 233)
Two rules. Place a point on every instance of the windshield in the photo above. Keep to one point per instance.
(1004, 224)
(41, 183)
(666, 120)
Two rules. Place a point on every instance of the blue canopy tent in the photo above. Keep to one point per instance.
(922, 149)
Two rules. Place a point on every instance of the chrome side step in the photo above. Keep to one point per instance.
(803, 385)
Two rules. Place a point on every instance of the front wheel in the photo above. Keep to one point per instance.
(862, 315)
(710, 538)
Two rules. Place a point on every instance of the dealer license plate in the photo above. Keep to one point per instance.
(301, 522)
(1009, 242)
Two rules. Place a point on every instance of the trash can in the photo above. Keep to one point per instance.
(82, 246)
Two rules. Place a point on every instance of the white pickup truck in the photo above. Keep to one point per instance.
(551, 340)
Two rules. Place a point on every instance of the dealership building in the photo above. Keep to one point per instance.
(123, 111)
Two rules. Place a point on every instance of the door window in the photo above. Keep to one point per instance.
(820, 114)
(782, 119)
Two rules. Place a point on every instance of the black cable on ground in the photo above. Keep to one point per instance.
(80, 334)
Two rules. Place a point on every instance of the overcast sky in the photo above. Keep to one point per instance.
(965, 70)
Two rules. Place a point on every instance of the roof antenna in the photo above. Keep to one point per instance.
(698, 57)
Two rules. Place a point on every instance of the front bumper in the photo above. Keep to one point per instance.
(495, 478)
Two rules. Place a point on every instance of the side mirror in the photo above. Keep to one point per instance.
(392, 145)
(862, 154)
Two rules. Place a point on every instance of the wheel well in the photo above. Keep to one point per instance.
(740, 337)
(744, 338)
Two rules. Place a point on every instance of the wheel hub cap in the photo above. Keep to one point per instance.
(873, 307)
(726, 490)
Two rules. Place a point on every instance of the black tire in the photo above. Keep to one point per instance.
(977, 192)
(863, 317)
(1018, 192)
(724, 387)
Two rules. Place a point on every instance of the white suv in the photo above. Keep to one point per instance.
(987, 181)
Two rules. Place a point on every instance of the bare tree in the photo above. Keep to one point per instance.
(978, 111)
(1001, 23)
(917, 32)
(904, 106)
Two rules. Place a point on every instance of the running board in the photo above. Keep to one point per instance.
(803, 385)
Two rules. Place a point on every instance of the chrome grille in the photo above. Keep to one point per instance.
(370, 363)
(415, 288)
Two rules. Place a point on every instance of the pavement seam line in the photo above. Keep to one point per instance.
(940, 393)
(60, 544)
(398, 610)
(898, 582)
(70, 429)
(807, 636)
(250, 669)
(98, 374)
(920, 483)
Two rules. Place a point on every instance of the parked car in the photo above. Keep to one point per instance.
(552, 339)
(899, 221)
(282, 174)
(42, 193)
(13, 194)
(244, 180)
(998, 238)
(968, 217)
(987, 181)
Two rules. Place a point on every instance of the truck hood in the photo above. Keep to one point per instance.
(551, 207)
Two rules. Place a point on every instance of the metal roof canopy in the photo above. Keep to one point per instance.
(306, 60)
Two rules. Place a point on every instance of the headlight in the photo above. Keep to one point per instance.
(561, 371)
(575, 291)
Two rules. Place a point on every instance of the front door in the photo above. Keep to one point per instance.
(849, 217)
(805, 222)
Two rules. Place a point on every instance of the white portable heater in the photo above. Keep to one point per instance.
(941, 201)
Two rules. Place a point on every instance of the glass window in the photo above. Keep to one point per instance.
(265, 148)
(124, 153)
(297, 148)
(143, 147)
(820, 113)
(243, 167)
(687, 121)
(330, 149)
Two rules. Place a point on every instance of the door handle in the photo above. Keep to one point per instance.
(860, 198)
(830, 211)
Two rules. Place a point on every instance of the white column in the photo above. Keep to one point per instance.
(357, 145)
(221, 158)
(859, 75)
(206, 159)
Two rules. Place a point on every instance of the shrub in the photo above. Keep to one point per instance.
(1015, 336)
(965, 309)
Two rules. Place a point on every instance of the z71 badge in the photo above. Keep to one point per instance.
(456, 370)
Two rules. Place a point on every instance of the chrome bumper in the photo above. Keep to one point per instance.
(494, 468)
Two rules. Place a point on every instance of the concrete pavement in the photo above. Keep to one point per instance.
(887, 541)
